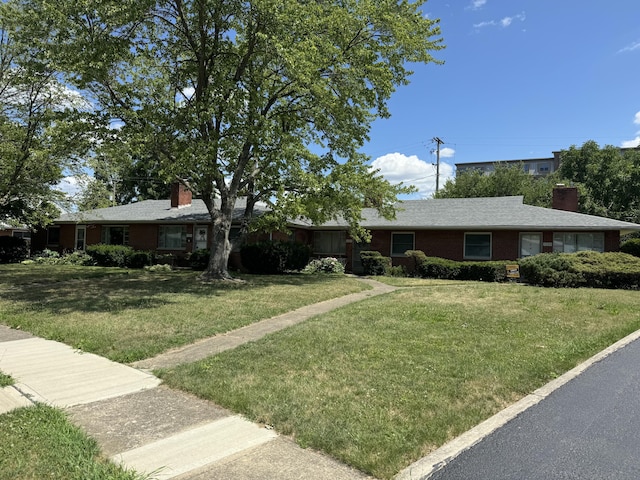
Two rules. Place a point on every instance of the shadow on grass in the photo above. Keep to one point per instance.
(63, 289)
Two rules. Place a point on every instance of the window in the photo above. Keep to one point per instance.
(530, 244)
(329, 243)
(400, 243)
(172, 237)
(81, 237)
(53, 236)
(477, 246)
(115, 235)
(543, 167)
(576, 242)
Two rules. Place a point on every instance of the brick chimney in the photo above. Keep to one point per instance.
(181, 196)
(565, 198)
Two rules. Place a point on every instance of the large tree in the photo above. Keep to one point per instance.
(267, 99)
(505, 180)
(609, 178)
(37, 138)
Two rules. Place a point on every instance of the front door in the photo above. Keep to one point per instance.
(81, 237)
(356, 261)
(200, 235)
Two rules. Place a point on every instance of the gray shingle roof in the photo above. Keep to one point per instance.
(496, 213)
(152, 211)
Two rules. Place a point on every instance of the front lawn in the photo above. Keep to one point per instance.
(381, 383)
(39, 442)
(128, 315)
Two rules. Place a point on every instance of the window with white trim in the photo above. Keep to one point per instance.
(328, 242)
(115, 235)
(577, 242)
(401, 242)
(172, 237)
(477, 246)
(530, 244)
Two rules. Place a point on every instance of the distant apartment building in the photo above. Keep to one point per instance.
(539, 167)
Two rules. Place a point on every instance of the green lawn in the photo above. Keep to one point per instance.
(377, 384)
(381, 383)
(39, 442)
(128, 315)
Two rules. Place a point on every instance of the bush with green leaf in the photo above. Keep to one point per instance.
(417, 257)
(324, 265)
(582, 269)
(110, 255)
(199, 260)
(374, 263)
(13, 249)
(274, 257)
(632, 247)
(436, 267)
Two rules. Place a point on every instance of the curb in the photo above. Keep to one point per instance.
(438, 459)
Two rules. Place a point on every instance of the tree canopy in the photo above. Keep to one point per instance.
(609, 178)
(37, 139)
(505, 180)
(267, 99)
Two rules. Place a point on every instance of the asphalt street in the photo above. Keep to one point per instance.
(587, 429)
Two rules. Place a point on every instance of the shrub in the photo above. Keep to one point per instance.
(589, 269)
(274, 257)
(324, 265)
(49, 257)
(140, 259)
(13, 249)
(75, 258)
(435, 267)
(550, 270)
(417, 258)
(373, 263)
(632, 247)
(110, 255)
(483, 271)
(199, 260)
(165, 267)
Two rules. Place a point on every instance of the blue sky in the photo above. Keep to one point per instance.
(521, 79)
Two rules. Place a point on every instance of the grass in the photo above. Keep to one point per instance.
(5, 380)
(128, 315)
(381, 383)
(39, 442)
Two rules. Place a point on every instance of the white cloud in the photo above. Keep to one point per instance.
(636, 120)
(477, 4)
(631, 143)
(630, 48)
(411, 170)
(71, 185)
(504, 22)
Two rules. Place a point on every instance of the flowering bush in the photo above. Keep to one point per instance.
(324, 265)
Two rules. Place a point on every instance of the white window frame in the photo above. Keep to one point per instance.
(83, 245)
(401, 254)
(477, 257)
(162, 237)
(522, 234)
(559, 245)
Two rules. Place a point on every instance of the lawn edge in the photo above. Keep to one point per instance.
(425, 467)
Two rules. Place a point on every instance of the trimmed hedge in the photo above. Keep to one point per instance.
(13, 249)
(583, 269)
(119, 256)
(373, 263)
(269, 258)
(441, 268)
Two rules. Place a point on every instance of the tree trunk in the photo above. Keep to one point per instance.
(220, 246)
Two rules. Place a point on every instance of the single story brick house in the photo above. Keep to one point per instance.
(499, 228)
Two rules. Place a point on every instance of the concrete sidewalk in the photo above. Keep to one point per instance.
(154, 429)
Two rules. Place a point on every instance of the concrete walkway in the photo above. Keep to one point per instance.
(154, 429)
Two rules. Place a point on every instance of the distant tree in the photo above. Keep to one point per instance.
(267, 99)
(505, 180)
(609, 178)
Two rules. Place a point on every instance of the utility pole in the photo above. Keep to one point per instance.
(438, 141)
